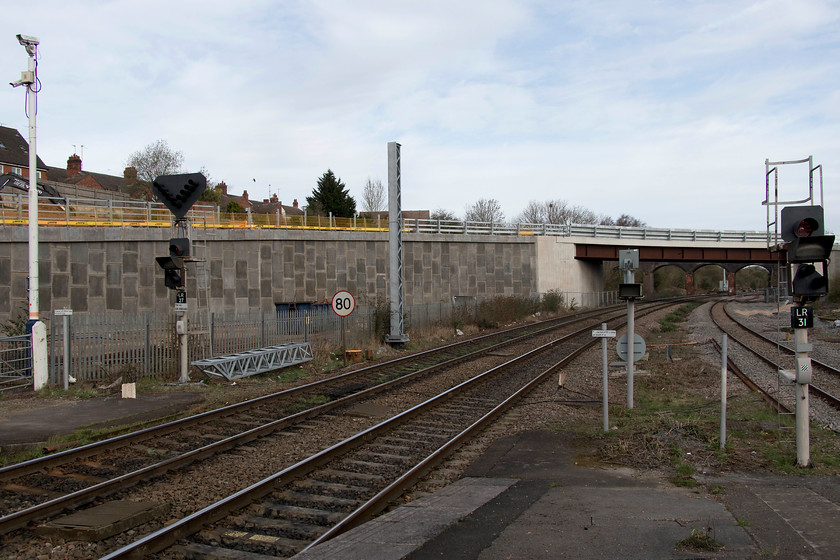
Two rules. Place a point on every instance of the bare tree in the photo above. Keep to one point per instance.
(374, 197)
(156, 159)
(485, 210)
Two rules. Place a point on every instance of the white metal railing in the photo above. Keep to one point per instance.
(130, 213)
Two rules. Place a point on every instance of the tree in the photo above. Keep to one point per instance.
(485, 210)
(557, 212)
(444, 215)
(626, 220)
(234, 207)
(155, 159)
(331, 196)
(374, 198)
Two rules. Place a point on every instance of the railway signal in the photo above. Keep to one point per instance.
(808, 246)
(179, 247)
(179, 192)
(173, 271)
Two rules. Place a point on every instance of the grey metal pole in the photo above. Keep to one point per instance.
(397, 335)
(631, 342)
(605, 380)
(723, 372)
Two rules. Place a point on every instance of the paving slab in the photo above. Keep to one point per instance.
(40, 421)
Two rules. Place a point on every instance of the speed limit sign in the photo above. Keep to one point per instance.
(343, 303)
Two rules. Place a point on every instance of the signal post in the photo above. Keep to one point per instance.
(808, 252)
(179, 193)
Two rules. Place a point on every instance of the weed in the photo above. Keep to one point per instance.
(306, 403)
(700, 541)
(743, 522)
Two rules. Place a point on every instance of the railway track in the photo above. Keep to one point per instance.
(398, 373)
(48, 485)
(777, 356)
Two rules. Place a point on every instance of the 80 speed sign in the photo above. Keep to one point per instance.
(343, 303)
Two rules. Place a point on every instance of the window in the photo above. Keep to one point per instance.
(17, 171)
(39, 175)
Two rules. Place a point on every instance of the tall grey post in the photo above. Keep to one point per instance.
(397, 335)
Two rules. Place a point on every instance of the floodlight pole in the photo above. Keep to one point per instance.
(38, 329)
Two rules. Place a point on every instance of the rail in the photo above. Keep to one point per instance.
(88, 212)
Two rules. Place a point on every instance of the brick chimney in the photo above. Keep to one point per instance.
(294, 204)
(130, 174)
(274, 198)
(222, 186)
(244, 195)
(74, 165)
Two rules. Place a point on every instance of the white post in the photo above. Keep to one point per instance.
(803, 378)
(605, 380)
(65, 378)
(184, 337)
(39, 329)
(723, 371)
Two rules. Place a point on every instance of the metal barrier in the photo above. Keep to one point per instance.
(15, 362)
(88, 212)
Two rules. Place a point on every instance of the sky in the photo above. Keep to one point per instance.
(663, 110)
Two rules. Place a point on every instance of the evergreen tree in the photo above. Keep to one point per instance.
(331, 196)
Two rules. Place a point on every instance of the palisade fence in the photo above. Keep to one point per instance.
(104, 347)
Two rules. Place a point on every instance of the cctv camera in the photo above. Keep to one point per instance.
(27, 41)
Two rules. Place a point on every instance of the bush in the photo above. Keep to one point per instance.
(552, 301)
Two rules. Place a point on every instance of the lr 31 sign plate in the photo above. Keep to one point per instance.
(801, 317)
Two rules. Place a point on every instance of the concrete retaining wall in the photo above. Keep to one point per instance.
(113, 269)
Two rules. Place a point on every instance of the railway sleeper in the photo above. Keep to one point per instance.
(197, 551)
(287, 528)
(247, 541)
(361, 466)
(327, 488)
(385, 458)
(336, 475)
(305, 514)
(383, 447)
(293, 497)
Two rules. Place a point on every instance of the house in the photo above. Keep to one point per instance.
(77, 183)
(268, 206)
(14, 154)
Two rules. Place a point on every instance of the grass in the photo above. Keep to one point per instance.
(674, 426)
(672, 320)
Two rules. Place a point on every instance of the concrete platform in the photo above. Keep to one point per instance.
(41, 420)
(527, 498)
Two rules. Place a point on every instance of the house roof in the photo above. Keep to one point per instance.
(107, 182)
(14, 149)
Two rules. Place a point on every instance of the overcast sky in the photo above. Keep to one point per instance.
(662, 110)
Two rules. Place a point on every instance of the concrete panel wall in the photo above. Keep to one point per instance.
(557, 268)
(101, 270)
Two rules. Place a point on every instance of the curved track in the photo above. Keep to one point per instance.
(765, 348)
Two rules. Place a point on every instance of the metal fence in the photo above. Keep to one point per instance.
(14, 210)
(15, 362)
(104, 347)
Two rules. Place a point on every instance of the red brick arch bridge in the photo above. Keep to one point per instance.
(689, 259)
